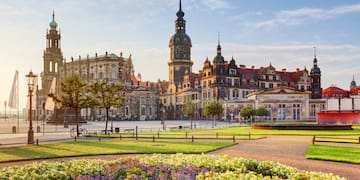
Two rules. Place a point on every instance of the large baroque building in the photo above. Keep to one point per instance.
(141, 99)
(225, 81)
(286, 94)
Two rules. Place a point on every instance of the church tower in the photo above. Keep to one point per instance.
(180, 51)
(53, 57)
(315, 75)
(352, 84)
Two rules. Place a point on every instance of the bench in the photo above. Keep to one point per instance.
(128, 130)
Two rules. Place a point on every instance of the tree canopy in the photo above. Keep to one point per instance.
(74, 94)
(247, 112)
(213, 108)
(189, 110)
(262, 112)
(107, 95)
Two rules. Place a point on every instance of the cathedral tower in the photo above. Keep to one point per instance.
(180, 51)
(315, 74)
(53, 57)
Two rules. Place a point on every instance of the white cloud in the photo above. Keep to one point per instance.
(300, 16)
(10, 10)
(216, 4)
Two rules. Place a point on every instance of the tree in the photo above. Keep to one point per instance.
(248, 112)
(262, 112)
(73, 94)
(189, 110)
(107, 95)
(213, 108)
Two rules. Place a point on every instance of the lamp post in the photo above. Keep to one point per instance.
(163, 119)
(31, 77)
(5, 109)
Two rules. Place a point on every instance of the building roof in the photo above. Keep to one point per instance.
(334, 91)
(355, 91)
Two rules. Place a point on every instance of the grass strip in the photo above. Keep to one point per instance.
(83, 148)
(334, 153)
(354, 140)
(167, 135)
(248, 129)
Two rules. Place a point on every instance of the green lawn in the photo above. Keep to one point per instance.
(180, 134)
(248, 129)
(81, 148)
(240, 132)
(336, 139)
(334, 153)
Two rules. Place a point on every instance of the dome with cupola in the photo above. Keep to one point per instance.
(53, 24)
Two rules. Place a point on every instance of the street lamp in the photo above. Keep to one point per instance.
(31, 77)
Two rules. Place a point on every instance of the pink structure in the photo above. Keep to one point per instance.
(338, 117)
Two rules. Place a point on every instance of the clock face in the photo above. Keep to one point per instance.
(181, 52)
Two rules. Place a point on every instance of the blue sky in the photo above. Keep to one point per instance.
(254, 32)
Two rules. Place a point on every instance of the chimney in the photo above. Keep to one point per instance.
(242, 66)
(283, 70)
(106, 54)
(95, 55)
(252, 67)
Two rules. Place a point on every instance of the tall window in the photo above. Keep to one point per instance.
(281, 112)
(113, 75)
(296, 111)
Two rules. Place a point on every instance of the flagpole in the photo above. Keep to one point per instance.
(17, 99)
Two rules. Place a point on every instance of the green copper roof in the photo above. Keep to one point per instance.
(53, 24)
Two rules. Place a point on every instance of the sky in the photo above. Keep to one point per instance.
(257, 32)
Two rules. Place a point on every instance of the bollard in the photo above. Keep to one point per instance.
(192, 138)
(158, 134)
(120, 136)
(217, 135)
(153, 138)
(37, 141)
(186, 135)
(313, 140)
(233, 138)
(13, 129)
(249, 136)
(75, 138)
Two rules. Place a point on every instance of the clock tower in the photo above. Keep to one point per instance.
(315, 75)
(180, 51)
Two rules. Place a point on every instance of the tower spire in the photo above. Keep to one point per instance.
(180, 9)
(53, 23)
(218, 46)
(314, 52)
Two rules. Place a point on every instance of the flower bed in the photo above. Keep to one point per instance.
(177, 166)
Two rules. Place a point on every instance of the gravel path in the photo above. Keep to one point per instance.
(289, 150)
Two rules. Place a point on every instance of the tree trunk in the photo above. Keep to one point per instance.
(191, 122)
(77, 121)
(107, 120)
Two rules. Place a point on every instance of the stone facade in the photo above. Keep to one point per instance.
(222, 80)
(141, 99)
